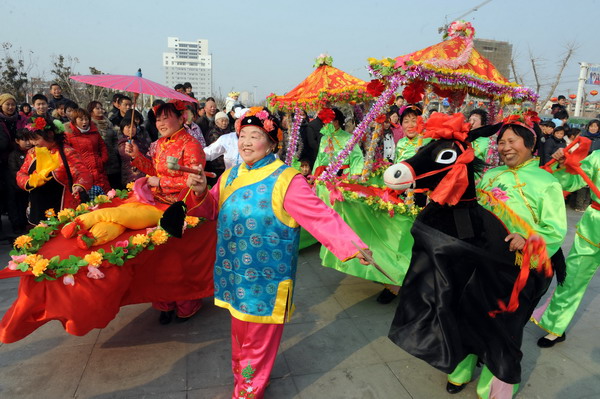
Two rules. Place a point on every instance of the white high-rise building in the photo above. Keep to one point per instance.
(189, 62)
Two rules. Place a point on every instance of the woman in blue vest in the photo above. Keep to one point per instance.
(259, 206)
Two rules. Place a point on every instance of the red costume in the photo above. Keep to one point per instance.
(80, 174)
(180, 145)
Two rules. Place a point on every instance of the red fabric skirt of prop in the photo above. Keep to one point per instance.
(180, 269)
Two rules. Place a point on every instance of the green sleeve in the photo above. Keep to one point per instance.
(552, 214)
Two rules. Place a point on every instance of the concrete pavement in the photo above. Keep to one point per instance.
(335, 347)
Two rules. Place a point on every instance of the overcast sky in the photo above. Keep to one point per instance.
(270, 46)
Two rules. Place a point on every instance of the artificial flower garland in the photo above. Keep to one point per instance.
(378, 108)
(24, 256)
(370, 155)
(379, 199)
(293, 137)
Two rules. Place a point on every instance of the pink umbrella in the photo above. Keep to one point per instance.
(134, 84)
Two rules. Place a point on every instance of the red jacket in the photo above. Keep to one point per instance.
(79, 171)
(92, 152)
(181, 145)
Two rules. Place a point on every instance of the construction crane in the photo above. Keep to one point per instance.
(444, 28)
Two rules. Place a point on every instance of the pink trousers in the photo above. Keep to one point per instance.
(253, 350)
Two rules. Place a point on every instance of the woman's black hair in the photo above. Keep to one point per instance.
(529, 137)
(165, 109)
(125, 122)
(339, 116)
(411, 109)
(482, 114)
(137, 115)
(594, 121)
(23, 106)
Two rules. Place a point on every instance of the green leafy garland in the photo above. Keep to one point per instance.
(24, 256)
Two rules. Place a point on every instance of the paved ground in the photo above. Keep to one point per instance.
(335, 347)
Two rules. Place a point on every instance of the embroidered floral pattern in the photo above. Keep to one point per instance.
(248, 390)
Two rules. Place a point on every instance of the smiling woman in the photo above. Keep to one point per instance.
(259, 206)
(535, 200)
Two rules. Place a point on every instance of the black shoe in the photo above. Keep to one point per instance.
(386, 296)
(166, 317)
(548, 343)
(453, 388)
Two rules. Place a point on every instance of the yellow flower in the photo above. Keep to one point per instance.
(102, 199)
(50, 213)
(159, 236)
(32, 259)
(140, 239)
(386, 62)
(22, 242)
(192, 221)
(93, 258)
(39, 266)
(129, 186)
(372, 60)
(82, 207)
(66, 214)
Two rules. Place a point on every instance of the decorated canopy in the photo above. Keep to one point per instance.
(326, 84)
(453, 67)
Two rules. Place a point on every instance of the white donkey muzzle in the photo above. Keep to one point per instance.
(398, 177)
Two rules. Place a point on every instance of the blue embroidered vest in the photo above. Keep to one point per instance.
(257, 246)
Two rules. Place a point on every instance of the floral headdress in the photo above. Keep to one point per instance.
(179, 106)
(527, 119)
(37, 123)
(260, 117)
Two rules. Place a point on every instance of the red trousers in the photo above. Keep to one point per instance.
(184, 309)
(253, 350)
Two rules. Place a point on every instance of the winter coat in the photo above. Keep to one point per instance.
(108, 134)
(551, 145)
(92, 152)
(8, 127)
(595, 137)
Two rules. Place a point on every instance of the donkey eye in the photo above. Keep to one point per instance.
(446, 157)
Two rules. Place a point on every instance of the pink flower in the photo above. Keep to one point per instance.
(111, 194)
(268, 125)
(499, 194)
(262, 115)
(16, 259)
(95, 273)
(93, 208)
(122, 244)
(68, 279)
(151, 229)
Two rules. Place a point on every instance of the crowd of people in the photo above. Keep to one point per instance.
(56, 154)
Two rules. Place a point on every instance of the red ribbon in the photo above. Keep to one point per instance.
(454, 185)
(534, 245)
(443, 126)
(574, 153)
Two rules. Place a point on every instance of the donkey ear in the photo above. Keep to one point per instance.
(483, 131)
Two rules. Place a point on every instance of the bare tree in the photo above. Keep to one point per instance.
(570, 50)
(13, 72)
(63, 67)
